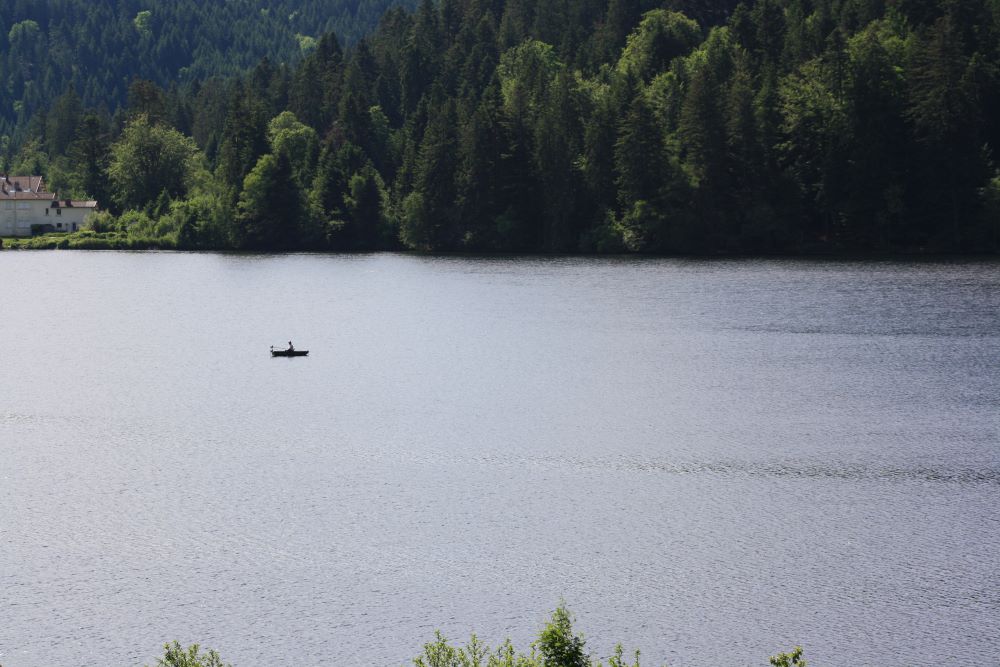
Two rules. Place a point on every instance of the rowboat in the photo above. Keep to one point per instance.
(288, 353)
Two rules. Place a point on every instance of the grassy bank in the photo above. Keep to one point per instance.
(87, 240)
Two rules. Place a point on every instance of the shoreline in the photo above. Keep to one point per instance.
(115, 241)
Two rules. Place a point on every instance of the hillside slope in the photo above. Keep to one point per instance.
(98, 47)
(791, 126)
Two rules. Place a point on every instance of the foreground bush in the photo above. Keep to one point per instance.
(557, 646)
(176, 656)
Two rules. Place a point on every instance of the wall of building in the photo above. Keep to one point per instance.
(69, 217)
(17, 216)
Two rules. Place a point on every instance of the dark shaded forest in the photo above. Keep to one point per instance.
(685, 126)
(97, 47)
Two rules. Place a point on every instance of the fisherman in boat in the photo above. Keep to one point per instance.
(291, 348)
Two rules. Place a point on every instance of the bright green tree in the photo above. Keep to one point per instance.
(558, 645)
(149, 159)
(177, 656)
(298, 142)
(661, 36)
(791, 659)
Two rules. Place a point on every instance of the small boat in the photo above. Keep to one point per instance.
(288, 353)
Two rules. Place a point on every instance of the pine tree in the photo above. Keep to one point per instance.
(431, 219)
(62, 122)
(270, 208)
(90, 153)
(946, 117)
(243, 141)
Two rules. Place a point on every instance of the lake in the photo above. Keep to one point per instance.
(712, 461)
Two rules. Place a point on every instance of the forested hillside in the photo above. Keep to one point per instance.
(566, 126)
(97, 47)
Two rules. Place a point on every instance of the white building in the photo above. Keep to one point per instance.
(27, 208)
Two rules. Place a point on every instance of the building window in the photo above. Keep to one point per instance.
(59, 226)
(58, 211)
(46, 211)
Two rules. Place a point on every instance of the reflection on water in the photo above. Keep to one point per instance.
(736, 468)
(711, 461)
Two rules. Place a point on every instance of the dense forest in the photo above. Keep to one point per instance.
(98, 47)
(682, 126)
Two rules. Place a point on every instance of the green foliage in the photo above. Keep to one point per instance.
(270, 206)
(661, 36)
(102, 222)
(792, 659)
(143, 23)
(150, 159)
(62, 122)
(243, 139)
(298, 143)
(440, 653)
(53, 45)
(87, 157)
(306, 43)
(606, 126)
(365, 205)
(30, 159)
(557, 646)
(431, 218)
(619, 660)
(177, 656)
(412, 230)
(200, 222)
(525, 72)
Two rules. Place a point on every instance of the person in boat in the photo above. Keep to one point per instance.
(291, 348)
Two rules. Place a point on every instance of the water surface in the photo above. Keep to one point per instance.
(708, 460)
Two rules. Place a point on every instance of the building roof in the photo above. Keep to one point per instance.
(23, 187)
(74, 203)
(33, 188)
(26, 183)
(26, 195)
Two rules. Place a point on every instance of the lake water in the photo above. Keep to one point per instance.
(711, 461)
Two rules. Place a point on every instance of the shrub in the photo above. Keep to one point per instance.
(101, 222)
(557, 646)
(176, 656)
(792, 659)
